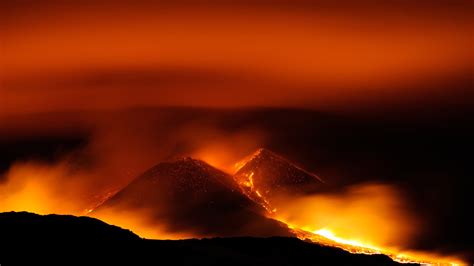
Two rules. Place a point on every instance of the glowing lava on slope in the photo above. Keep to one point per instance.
(327, 237)
(367, 219)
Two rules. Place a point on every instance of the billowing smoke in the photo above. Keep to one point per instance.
(118, 149)
(374, 214)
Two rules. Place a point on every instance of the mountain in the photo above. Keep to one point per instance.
(265, 176)
(61, 239)
(29, 227)
(189, 195)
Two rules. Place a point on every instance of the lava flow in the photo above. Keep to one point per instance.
(367, 219)
(327, 237)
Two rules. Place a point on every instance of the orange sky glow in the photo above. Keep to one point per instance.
(57, 56)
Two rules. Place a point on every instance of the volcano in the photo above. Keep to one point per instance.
(189, 195)
(265, 176)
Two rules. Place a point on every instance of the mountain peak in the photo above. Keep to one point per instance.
(189, 195)
(186, 163)
(185, 177)
(190, 160)
(265, 175)
(265, 155)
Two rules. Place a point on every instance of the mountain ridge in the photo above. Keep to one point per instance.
(191, 195)
(266, 176)
(277, 251)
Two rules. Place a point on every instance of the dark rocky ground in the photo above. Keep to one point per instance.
(58, 239)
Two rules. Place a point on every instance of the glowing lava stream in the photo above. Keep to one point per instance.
(328, 234)
(325, 236)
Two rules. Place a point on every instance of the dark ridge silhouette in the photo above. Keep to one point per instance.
(265, 176)
(263, 251)
(29, 227)
(59, 239)
(189, 195)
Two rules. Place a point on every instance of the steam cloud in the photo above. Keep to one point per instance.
(118, 150)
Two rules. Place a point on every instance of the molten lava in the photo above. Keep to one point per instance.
(367, 219)
(265, 176)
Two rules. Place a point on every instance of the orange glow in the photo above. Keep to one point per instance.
(327, 237)
(221, 149)
(367, 219)
(248, 183)
(42, 189)
(224, 56)
(138, 221)
(372, 214)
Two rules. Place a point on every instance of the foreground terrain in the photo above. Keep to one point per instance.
(81, 238)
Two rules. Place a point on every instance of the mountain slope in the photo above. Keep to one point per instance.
(266, 176)
(191, 196)
(29, 227)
